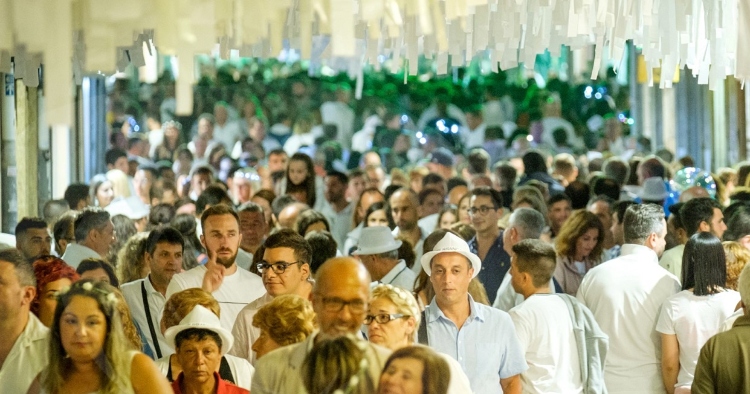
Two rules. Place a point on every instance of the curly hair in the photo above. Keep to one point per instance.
(130, 259)
(128, 326)
(404, 301)
(287, 319)
(737, 257)
(578, 224)
(48, 269)
(180, 304)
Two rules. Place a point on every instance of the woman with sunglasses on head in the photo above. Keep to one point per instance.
(392, 321)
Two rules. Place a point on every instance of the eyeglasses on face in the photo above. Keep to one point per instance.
(483, 210)
(383, 318)
(277, 268)
(334, 305)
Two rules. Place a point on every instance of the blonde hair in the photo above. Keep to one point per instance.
(288, 319)
(114, 358)
(737, 257)
(181, 303)
(120, 183)
(128, 326)
(338, 365)
(131, 260)
(405, 302)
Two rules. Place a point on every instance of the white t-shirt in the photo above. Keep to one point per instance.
(244, 332)
(236, 291)
(694, 319)
(625, 295)
(545, 332)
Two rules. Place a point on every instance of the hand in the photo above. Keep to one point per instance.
(214, 276)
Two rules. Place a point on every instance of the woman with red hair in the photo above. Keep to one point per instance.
(52, 275)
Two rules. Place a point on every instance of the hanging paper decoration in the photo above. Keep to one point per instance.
(79, 36)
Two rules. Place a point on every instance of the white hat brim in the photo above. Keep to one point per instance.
(226, 337)
(476, 263)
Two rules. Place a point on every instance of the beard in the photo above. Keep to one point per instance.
(225, 261)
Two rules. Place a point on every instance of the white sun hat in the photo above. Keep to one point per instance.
(451, 243)
(202, 318)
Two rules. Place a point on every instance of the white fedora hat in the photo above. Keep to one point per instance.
(202, 318)
(375, 240)
(451, 243)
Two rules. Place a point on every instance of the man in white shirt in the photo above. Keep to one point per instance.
(336, 208)
(146, 297)
(339, 113)
(543, 323)
(94, 234)
(625, 295)
(23, 338)
(524, 223)
(378, 251)
(233, 288)
(285, 270)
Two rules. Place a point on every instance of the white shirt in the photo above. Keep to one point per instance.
(133, 295)
(694, 319)
(244, 332)
(429, 222)
(243, 259)
(340, 222)
(340, 114)
(296, 141)
(671, 260)
(236, 291)
(545, 332)
(552, 123)
(625, 295)
(75, 253)
(401, 276)
(473, 138)
(727, 324)
(26, 359)
(418, 248)
(507, 297)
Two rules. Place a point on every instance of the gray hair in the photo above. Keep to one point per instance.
(642, 220)
(89, 219)
(389, 255)
(528, 222)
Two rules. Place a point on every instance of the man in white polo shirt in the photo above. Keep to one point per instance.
(378, 251)
(625, 294)
(232, 287)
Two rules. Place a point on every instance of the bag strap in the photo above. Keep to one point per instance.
(151, 328)
(422, 332)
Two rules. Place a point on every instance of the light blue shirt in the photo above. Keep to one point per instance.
(486, 347)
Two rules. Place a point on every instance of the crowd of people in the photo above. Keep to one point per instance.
(474, 255)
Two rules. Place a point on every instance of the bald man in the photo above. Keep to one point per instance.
(340, 298)
(288, 215)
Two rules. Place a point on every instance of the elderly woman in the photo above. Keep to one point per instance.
(579, 248)
(415, 370)
(52, 276)
(233, 369)
(286, 320)
(392, 321)
(200, 342)
(88, 351)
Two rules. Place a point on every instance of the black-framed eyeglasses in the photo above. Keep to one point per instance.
(277, 268)
(334, 305)
(383, 318)
(483, 210)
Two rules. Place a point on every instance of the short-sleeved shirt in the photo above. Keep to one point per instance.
(694, 319)
(485, 346)
(133, 294)
(27, 357)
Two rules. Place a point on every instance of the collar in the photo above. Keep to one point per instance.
(743, 320)
(34, 331)
(149, 286)
(221, 383)
(628, 249)
(433, 311)
(82, 250)
(394, 272)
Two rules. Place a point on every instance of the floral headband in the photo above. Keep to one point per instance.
(109, 296)
(363, 366)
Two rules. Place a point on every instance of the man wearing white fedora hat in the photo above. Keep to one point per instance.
(200, 342)
(482, 339)
(378, 251)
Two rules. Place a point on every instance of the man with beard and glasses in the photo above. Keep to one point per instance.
(233, 288)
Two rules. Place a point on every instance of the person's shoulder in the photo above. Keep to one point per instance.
(239, 365)
(131, 287)
(249, 276)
